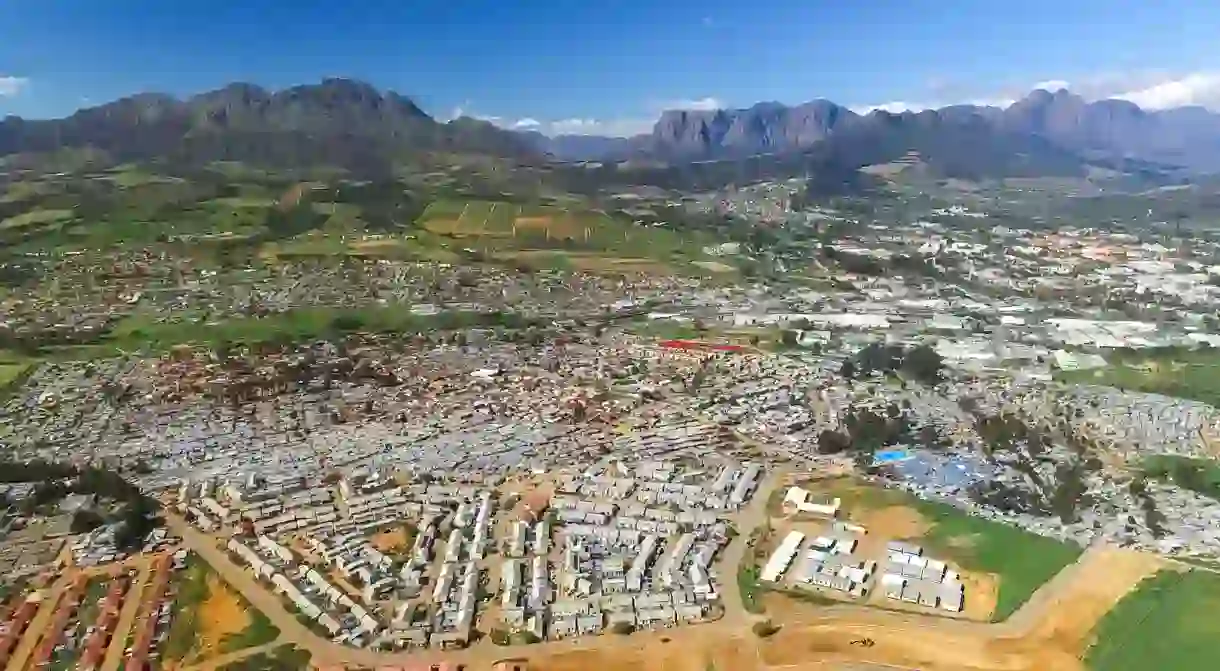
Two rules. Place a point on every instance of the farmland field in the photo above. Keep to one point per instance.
(505, 226)
(1167, 623)
(35, 217)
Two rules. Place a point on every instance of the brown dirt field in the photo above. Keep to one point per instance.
(558, 228)
(1053, 633)
(982, 591)
(698, 652)
(393, 540)
(533, 222)
(293, 196)
(221, 615)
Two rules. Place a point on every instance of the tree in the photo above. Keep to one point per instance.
(499, 636)
(788, 337)
(622, 628)
(86, 520)
(923, 364)
(832, 442)
(764, 628)
(848, 370)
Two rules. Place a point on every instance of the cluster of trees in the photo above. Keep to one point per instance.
(1154, 519)
(920, 363)
(505, 637)
(1198, 475)
(1021, 445)
(867, 430)
(137, 512)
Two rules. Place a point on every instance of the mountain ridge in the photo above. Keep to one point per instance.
(353, 125)
(339, 121)
(1187, 136)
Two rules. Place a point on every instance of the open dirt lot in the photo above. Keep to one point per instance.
(220, 616)
(700, 651)
(1051, 632)
(394, 540)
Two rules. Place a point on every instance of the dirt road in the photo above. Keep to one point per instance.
(220, 661)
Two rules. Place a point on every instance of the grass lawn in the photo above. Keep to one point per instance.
(751, 591)
(11, 371)
(283, 658)
(259, 631)
(1169, 622)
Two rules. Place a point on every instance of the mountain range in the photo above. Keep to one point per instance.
(351, 124)
(1185, 137)
(337, 122)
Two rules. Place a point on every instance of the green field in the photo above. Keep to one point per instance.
(1169, 622)
(751, 591)
(1175, 372)
(1022, 561)
(283, 658)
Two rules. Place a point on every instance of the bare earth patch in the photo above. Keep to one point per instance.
(394, 540)
(220, 616)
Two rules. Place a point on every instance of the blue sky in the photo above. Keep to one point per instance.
(611, 65)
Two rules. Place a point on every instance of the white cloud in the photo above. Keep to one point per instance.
(1149, 90)
(526, 123)
(898, 106)
(11, 86)
(625, 127)
(700, 104)
(1200, 88)
(1053, 85)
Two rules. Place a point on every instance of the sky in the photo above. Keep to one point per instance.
(610, 66)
